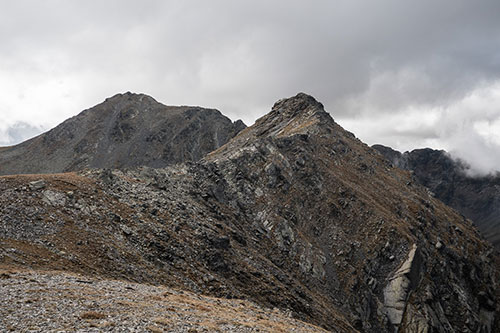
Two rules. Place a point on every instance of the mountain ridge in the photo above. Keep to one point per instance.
(477, 197)
(293, 212)
(125, 130)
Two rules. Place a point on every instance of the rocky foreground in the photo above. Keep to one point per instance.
(34, 301)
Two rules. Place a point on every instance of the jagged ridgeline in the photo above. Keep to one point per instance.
(477, 197)
(293, 212)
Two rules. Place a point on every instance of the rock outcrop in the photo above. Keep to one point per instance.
(399, 286)
(476, 197)
(294, 212)
(127, 130)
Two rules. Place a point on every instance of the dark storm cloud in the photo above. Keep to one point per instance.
(364, 60)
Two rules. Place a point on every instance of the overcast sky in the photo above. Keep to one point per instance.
(407, 74)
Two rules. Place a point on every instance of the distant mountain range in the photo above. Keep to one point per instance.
(293, 212)
(476, 197)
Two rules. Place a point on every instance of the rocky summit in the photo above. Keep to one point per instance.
(126, 130)
(292, 213)
(477, 197)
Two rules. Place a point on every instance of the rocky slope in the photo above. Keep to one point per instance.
(294, 213)
(478, 198)
(126, 130)
(62, 302)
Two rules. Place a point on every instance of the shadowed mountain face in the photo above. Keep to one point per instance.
(478, 198)
(293, 212)
(127, 130)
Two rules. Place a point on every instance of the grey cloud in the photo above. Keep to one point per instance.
(362, 59)
(18, 132)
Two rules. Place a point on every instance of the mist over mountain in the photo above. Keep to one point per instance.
(293, 213)
(477, 197)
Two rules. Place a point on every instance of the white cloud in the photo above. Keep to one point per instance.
(489, 130)
(469, 128)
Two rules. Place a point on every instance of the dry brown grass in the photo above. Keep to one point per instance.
(201, 308)
(296, 127)
(154, 329)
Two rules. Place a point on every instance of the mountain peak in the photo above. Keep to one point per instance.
(299, 114)
(130, 97)
(298, 104)
(126, 130)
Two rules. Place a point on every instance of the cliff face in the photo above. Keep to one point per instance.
(294, 212)
(478, 198)
(127, 130)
